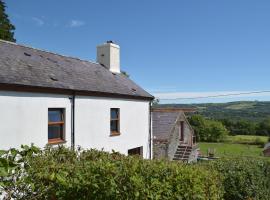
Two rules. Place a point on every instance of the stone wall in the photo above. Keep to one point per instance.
(160, 149)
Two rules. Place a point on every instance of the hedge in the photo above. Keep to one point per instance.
(244, 178)
(60, 173)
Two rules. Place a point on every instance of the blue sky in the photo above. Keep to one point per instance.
(186, 47)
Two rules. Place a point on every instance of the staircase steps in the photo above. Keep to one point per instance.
(182, 153)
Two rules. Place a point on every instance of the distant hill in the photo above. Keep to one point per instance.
(247, 110)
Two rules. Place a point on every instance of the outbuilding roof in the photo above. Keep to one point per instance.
(164, 119)
(23, 66)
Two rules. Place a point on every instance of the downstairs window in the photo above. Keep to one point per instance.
(56, 124)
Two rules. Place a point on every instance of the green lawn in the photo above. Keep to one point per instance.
(246, 139)
(229, 150)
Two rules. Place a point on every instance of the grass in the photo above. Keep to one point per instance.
(241, 105)
(247, 139)
(239, 145)
(229, 150)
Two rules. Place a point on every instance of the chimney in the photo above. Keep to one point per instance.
(108, 54)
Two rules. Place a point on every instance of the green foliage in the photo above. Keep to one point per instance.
(240, 118)
(208, 130)
(6, 28)
(13, 166)
(155, 102)
(244, 178)
(60, 173)
(245, 127)
(125, 73)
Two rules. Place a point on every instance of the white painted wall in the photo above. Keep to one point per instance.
(24, 120)
(93, 124)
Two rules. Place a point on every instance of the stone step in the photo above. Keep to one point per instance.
(181, 155)
(177, 151)
(182, 152)
(181, 148)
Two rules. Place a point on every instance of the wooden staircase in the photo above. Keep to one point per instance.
(182, 153)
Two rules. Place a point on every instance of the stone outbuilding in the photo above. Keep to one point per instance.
(173, 136)
(266, 150)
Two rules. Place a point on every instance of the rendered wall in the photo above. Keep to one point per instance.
(92, 127)
(24, 118)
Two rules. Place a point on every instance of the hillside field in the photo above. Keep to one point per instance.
(247, 139)
(239, 145)
(230, 150)
(240, 110)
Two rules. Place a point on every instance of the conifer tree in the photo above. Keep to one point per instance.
(6, 28)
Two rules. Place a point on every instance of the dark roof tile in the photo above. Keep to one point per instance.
(21, 65)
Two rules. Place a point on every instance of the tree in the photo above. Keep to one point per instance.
(207, 130)
(264, 127)
(6, 28)
(155, 102)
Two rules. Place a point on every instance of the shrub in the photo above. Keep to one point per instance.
(244, 178)
(60, 173)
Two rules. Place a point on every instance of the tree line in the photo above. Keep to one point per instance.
(245, 127)
(210, 130)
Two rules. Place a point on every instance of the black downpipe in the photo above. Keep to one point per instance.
(150, 129)
(73, 121)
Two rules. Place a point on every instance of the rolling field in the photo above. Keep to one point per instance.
(229, 150)
(246, 139)
(239, 145)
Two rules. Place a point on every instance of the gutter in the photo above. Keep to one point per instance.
(54, 90)
(150, 130)
(73, 121)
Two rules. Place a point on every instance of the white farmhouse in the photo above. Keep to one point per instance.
(46, 98)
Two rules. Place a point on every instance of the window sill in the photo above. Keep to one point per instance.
(114, 134)
(56, 141)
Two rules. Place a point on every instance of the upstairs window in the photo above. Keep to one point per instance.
(56, 124)
(115, 121)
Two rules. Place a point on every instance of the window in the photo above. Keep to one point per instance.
(56, 122)
(136, 151)
(115, 121)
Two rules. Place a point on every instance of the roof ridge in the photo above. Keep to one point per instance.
(46, 51)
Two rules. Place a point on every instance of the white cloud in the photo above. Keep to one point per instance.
(75, 23)
(38, 21)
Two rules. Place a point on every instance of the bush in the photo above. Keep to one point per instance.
(60, 173)
(244, 178)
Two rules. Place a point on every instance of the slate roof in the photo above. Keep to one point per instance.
(25, 66)
(163, 123)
